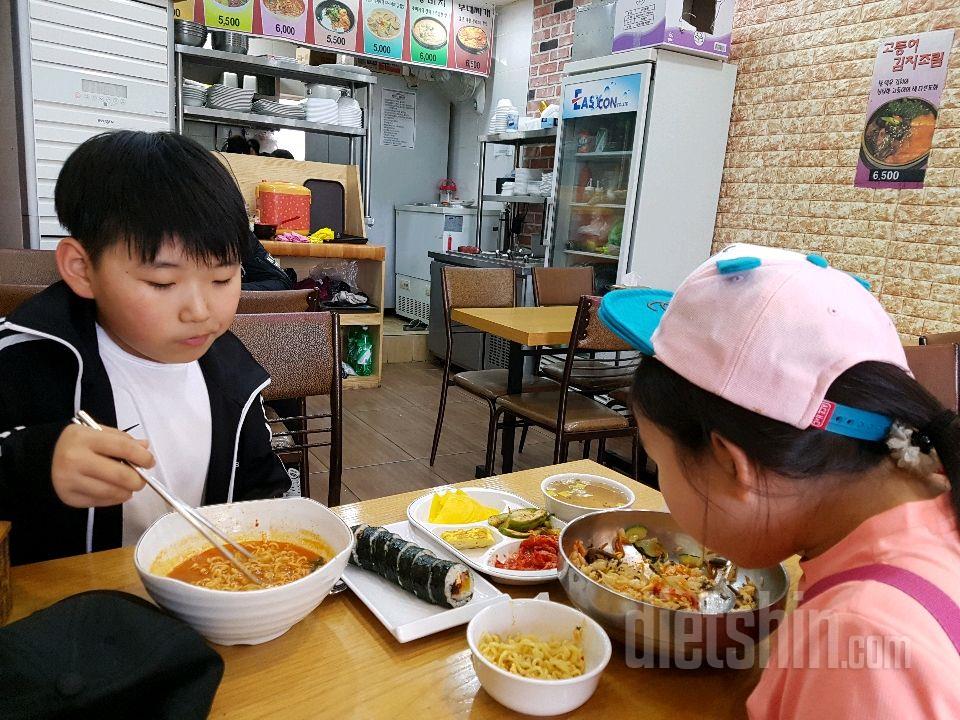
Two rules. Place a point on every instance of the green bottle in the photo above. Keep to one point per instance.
(360, 350)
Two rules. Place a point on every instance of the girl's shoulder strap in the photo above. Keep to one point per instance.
(943, 609)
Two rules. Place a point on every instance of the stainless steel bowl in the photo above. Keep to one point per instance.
(189, 33)
(229, 41)
(658, 636)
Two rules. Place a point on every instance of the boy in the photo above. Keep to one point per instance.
(137, 335)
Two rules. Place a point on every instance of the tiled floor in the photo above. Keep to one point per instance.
(388, 431)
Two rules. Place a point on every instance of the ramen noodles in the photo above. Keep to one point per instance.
(531, 657)
(384, 24)
(274, 562)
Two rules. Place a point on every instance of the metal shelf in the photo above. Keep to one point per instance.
(604, 155)
(530, 199)
(232, 117)
(601, 256)
(608, 206)
(526, 137)
(255, 65)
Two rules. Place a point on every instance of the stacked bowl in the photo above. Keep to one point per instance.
(272, 107)
(322, 110)
(349, 112)
(527, 181)
(222, 97)
(194, 94)
(189, 33)
(503, 117)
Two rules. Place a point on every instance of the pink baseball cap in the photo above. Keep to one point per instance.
(767, 329)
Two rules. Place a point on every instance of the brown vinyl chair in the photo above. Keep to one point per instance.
(947, 338)
(253, 302)
(937, 368)
(28, 267)
(570, 415)
(12, 296)
(301, 352)
(477, 288)
(565, 286)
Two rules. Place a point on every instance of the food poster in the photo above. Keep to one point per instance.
(430, 31)
(283, 19)
(384, 22)
(908, 79)
(472, 38)
(335, 24)
(235, 15)
(183, 10)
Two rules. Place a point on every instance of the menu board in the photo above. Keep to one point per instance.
(236, 15)
(284, 19)
(384, 25)
(437, 33)
(335, 24)
(430, 31)
(183, 10)
(472, 38)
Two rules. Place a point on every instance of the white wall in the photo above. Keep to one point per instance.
(511, 50)
(11, 213)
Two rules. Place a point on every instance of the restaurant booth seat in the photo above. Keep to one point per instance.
(947, 338)
(28, 267)
(937, 368)
(570, 415)
(13, 296)
(477, 288)
(301, 352)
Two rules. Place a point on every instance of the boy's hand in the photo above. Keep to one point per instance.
(86, 471)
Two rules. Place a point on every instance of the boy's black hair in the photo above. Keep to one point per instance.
(147, 189)
(281, 153)
(689, 414)
(237, 144)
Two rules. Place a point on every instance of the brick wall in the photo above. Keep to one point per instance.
(551, 48)
(801, 95)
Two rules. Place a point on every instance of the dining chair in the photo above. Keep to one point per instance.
(12, 296)
(561, 285)
(277, 301)
(477, 288)
(301, 353)
(945, 338)
(570, 415)
(937, 368)
(28, 267)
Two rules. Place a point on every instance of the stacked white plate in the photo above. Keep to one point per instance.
(527, 181)
(320, 91)
(194, 94)
(546, 184)
(322, 110)
(500, 120)
(349, 112)
(272, 107)
(222, 97)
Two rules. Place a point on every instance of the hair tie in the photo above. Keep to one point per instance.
(913, 449)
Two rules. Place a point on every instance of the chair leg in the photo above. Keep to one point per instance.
(637, 471)
(304, 453)
(586, 448)
(523, 438)
(601, 449)
(443, 406)
(490, 460)
(564, 451)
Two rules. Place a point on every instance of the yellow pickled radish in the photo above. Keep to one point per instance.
(456, 507)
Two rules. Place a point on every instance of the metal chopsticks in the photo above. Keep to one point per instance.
(200, 523)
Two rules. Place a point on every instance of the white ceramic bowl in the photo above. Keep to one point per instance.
(253, 616)
(568, 511)
(544, 619)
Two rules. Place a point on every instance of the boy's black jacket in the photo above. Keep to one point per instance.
(50, 367)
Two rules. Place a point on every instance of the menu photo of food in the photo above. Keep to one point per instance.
(473, 38)
(335, 24)
(429, 31)
(899, 134)
(235, 15)
(383, 24)
(284, 18)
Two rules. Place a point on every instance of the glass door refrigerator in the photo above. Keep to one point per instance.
(639, 158)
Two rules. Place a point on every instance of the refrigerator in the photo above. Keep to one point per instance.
(639, 159)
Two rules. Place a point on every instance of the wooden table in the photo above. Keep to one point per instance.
(340, 662)
(522, 327)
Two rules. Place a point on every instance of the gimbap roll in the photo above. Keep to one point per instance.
(405, 565)
(450, 584)
(391, 558)
(357, 531)
(365, 547)
(420, 574)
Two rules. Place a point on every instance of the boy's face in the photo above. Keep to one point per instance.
(170, 310)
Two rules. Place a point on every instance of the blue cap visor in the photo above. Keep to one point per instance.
(634, 314)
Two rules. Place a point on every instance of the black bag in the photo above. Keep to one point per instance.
(105, 654)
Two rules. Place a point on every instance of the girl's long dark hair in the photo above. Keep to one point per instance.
(689, 415)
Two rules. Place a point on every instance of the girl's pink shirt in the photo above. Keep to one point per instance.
(865, 649)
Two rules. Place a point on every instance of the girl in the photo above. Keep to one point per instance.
(777, 403)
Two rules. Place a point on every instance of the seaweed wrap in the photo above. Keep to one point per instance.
(391, 558)
(405, 565)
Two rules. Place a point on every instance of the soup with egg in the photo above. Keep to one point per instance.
(587, 493)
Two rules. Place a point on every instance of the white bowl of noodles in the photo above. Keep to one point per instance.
(232, 616)
(575, 647)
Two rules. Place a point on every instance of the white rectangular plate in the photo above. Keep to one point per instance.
(406, 616)
(480, 559)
